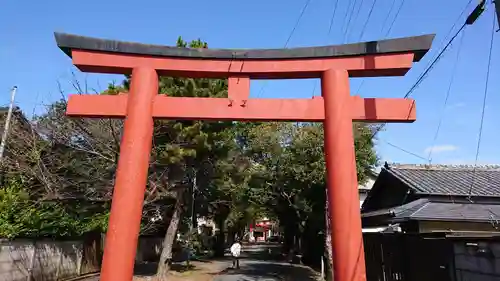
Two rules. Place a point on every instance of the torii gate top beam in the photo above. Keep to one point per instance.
(392, 57)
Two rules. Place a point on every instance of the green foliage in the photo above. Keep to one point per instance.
(288, 177)
(21, 216)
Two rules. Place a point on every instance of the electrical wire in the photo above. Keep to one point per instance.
(367, 20)
(334, 11)
(387, 33)
(347, 14)
(355, 19)
(426, 71)
(430, 65)
(433, 63)
(405, 150)
(389, 13)
(485, 95)
(297, 22)
(348, 18)
(395, 18)
(454, 71)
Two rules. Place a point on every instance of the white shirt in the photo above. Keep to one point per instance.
(236, 249)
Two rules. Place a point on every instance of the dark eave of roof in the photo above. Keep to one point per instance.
(436, 210)
(419, 45)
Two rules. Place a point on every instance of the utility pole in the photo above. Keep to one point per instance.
(193, 188)
(7, 122)
(193, 199)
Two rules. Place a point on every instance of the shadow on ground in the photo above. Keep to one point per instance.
(271, 252)
(269, 271)
(150, 268)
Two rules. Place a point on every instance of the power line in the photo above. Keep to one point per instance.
(297, 22)
(395, 18)
(334, 11)
(302, 12)
(454, 70)
(388, 14)
(405, 150)
(444, 39)
(349, 18)
(484, 104)
(431, 65)
(470, 20)
(355, 19)
(387, 33)
(367, 19)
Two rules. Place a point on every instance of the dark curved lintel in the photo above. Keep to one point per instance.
(418, 45)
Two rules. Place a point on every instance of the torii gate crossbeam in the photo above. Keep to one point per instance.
(336, 109)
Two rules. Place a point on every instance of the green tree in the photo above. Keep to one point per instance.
(25, 216)
(289, 176)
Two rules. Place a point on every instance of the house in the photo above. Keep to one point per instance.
(442, 223)
(206, 226)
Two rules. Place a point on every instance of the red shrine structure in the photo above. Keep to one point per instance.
(336, 108)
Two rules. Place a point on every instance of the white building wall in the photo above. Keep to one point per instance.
(364, 189)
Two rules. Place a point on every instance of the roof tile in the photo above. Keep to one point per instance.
(450, 180)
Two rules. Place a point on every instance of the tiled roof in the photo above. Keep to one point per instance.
(426, 209)
(451, 180)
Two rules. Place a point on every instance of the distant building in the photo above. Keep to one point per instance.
(365, 188)
(262, 229)
(206, 226)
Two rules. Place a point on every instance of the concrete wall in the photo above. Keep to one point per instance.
(46, 260)
(58, 260)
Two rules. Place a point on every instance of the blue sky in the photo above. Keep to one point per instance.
(30, 59)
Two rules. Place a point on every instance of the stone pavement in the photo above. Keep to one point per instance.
(257, 265)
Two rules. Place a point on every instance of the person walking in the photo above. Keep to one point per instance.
(235, 252)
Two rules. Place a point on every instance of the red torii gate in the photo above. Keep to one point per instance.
(336, 108)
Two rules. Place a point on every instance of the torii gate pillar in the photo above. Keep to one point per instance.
(341, 178)
(131, 178)
(337, 109)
